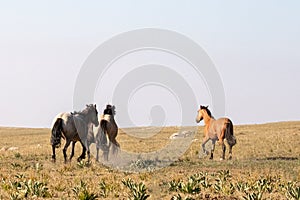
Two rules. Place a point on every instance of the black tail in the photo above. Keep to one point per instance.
(56, 133)
(231, 140)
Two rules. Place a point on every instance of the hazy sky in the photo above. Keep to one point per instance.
(255, 46)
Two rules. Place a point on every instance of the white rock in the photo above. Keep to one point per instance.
(12, 148)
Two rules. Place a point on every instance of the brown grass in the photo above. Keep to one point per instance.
(262, 150)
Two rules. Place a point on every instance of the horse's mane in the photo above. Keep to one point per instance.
(84, 111)
(109, 110)
(207, 110)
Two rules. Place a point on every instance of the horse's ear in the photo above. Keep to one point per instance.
(207, 106)
(95, 105)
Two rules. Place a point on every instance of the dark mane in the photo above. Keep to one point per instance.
(207, 110)
(109, 110)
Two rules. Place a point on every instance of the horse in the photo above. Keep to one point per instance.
(73, 127)
(107, 133)
(216, 129)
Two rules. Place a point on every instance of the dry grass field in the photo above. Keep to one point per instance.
(265, 165)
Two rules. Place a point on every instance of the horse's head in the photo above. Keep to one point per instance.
(93, 113)
(201, 113)
(109, 110)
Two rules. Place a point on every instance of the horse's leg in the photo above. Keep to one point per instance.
(115, 146)
(65, 149)
(53, 153)
(212, 149)
(88, 150)
(72, 152)
(82, 156)
(230, 152)
(97, 154)
(205, 140)
(222, 135)
(105, 154)
(223, 149)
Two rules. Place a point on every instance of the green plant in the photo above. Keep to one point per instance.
(174, 185)
(15, 165)
(176, 197)
(83, 164)
(190, 187)
(251, 196)
(14, 196)
(241, 186)
(18, 155)
(24, 188)
(82, 192)
(179, 197)
(202, 178)
(105, 188)
(222, 184)
(138, 191)
(292, 191)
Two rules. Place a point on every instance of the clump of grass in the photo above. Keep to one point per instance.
(179, 197)
(18, 155)
(223, 183)
(189, 187)
(106, 189)
(26, 188)
(82, 193)
(292, 191)
(83, 164)
(38, 166)
(138, 191)
(16, 165)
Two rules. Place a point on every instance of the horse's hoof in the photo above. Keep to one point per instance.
(230, 158)
(53, 160)
(221, 159)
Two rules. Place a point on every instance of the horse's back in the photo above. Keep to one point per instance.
(69, 128)
(217, 127)
(64, 116)
(223, 120)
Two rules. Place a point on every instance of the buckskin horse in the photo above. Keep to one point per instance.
(216, 129)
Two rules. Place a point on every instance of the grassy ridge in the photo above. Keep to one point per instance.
(267, 151)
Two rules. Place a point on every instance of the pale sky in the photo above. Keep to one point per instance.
(255, 46)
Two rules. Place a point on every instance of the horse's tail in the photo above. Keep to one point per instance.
(56, 133)
(110, 138)
(231, 140)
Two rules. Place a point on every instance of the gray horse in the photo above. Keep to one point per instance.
(73, 127)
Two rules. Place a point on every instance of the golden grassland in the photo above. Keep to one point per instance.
(270, 151)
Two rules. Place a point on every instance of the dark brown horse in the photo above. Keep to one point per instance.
(107, 133)
(73, 127)
(214, 130)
